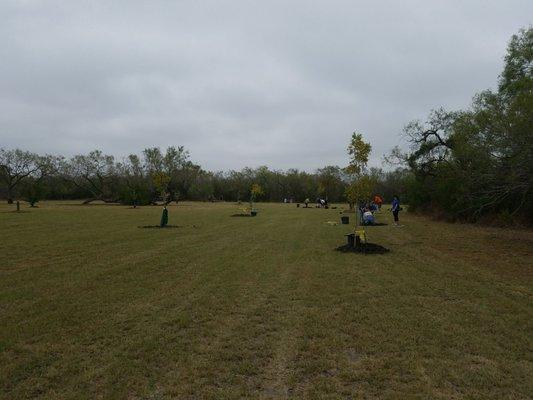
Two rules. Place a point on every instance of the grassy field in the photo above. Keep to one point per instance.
(93, 307)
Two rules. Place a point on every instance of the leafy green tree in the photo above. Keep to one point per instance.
(330, 182)
(361, 184)
(169, 172)
(479, 162)
(516, 75)
(202, 187)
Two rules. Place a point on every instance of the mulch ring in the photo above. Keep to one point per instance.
(368, 248)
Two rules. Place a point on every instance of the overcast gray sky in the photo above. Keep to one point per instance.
(241, 83)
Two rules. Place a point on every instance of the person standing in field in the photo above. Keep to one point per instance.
(395, 209)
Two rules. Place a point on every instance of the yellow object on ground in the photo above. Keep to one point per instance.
(361, 234)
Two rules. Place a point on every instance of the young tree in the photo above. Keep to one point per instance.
(361, 184)
(255, 192)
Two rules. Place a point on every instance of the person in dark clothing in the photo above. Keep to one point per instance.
(395, 209)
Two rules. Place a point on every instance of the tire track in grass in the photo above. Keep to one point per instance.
(277, 376)
(264, 327)
(282, 377)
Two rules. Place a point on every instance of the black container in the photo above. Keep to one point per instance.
(345, 220)
(351, 239)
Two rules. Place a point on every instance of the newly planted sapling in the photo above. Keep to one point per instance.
(362, 184)
(255, 192)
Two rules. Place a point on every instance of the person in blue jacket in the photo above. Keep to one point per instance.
(395, 209)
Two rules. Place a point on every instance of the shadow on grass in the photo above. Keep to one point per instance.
(241, 215)
(167, 226)
(160, 227)
(368, 248)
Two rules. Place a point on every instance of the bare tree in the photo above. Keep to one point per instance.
(15, 166)
(95, 173)
(34, 186)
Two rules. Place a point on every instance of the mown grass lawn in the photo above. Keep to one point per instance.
(93, 307)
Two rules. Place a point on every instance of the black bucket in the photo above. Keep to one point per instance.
(351, 239)
(345, 220)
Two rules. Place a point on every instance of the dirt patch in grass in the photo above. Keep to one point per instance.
(353, 356)
(368, 248)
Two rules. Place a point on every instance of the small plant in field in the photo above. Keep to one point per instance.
(255, 192)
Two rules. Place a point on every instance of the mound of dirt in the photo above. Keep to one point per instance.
(368, 248)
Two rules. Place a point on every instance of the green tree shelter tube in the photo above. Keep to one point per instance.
(164, 218)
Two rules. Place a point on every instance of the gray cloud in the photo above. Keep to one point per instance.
(241, 83)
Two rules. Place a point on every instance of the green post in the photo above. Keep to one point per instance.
(164, 218)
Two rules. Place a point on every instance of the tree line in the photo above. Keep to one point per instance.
(168, 175)
(464, 165)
